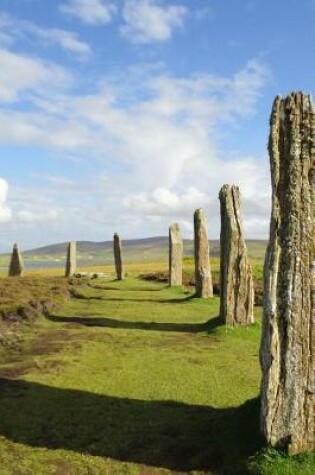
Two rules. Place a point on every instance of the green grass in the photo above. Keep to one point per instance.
(272, 462)
(134, 378)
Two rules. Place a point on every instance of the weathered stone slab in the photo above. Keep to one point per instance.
(288, 338)
(175, 255)
(71, 262)
(236, 283)
(203, 278)
(119, 265)
(16, 267)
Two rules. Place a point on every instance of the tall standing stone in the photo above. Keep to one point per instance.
(236, 282)
(288, 339)
(119, 265)
(203, 278)
(16, 267)
(175, 255)
(71, 263)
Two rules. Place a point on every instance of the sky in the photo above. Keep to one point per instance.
(127, 115)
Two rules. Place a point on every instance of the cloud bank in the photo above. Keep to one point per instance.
(152, 141)
(5, 211)
(92, 12)
(147, 21)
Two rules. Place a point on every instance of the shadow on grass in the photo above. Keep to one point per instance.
(182, 300)
(139, 289)
(108, 322)
(165, 434)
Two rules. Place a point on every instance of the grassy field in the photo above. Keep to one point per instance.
(132, 378)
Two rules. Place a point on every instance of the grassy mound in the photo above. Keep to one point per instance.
(24, 298)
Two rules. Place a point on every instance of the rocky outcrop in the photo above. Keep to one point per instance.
(119, 266)
(203, 278)
(288, 339)
(16, 267)
(71, 262)
(175, 255)
(236, 283)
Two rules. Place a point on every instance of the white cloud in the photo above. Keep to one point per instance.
(159, 150)
(21, 74)
(92, 12)
(172, 135)
(39, 129)
(49, 213)
(14, 29)
(250, 174)
(27, 216)
(163, 202)
(5, 211)
(146, 21)
(58, 181)
(66, 39)
(246, 87)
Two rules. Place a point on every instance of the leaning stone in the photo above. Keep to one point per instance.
(119, 265)
(203, 278)
(71, 263)
(175, 255)
(16, 267)
(287, 351)
(236, 283)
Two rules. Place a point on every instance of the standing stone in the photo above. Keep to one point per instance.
(119, 266)
(16, 268)
(203, 278)
(287, 351)
(175, 255)
(236, 282)
(71, 263)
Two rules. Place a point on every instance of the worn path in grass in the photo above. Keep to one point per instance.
(130, 378)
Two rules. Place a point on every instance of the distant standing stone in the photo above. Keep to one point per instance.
(71, 263)
(175, 255)
(236, 283)
(203, 278)
(16, 268)
(287, 351)
(119, 265)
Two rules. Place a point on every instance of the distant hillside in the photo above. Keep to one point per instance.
(154, 248)
(86, 247)
(135, 251)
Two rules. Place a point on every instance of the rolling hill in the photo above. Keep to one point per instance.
(154, 248)
(135, 250)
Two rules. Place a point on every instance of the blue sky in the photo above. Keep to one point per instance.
(128, 115)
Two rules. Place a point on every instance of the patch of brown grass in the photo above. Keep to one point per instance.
(23, 299)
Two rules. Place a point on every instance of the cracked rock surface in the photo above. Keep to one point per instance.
(203, 278)
(236, 282)
(288, 339)
(119, 265)
(71, 262)
(175, 255)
